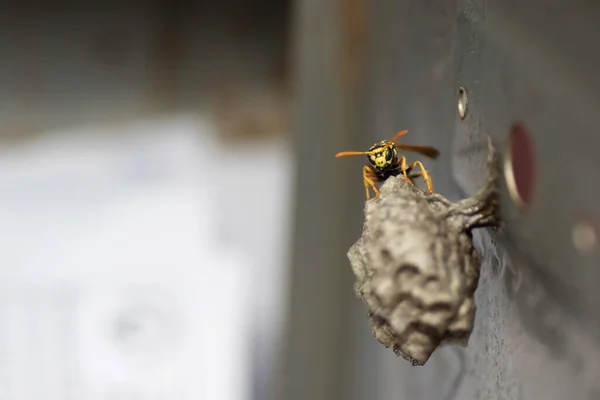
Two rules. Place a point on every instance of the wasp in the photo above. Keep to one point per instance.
(384, 162)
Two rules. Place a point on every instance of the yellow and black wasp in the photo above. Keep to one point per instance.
(384, 162)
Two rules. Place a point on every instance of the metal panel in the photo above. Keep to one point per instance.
(328, 199)
(536, 331)
(537, 327)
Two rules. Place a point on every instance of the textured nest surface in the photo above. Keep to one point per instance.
(416, 267)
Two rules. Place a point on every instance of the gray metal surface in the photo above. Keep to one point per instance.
(536, 333)
(317, 350)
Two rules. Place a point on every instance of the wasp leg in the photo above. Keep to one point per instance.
(369, 179)
(405, 168)
(414, 176)
(424, 173)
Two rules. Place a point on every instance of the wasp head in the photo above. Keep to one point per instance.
(382, 155)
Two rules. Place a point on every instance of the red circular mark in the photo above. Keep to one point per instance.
(521, 165)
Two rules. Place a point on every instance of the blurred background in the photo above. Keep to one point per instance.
(145, 198)
(173, 224)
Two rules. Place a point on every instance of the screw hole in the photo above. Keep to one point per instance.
(519, 166)
(463, 101)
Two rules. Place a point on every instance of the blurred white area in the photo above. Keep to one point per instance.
(139, 262)
(256, 199)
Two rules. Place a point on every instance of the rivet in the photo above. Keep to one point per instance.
(463, 101)
(584, 237)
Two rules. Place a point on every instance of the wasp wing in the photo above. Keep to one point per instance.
(427, 151)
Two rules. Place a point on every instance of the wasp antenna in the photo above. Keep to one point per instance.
(401, 133)
(351, 153)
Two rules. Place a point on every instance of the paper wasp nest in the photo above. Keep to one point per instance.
(416, 266)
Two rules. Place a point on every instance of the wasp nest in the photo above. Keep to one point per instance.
(416, 267)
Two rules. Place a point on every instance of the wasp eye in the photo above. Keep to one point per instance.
(388, 154)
